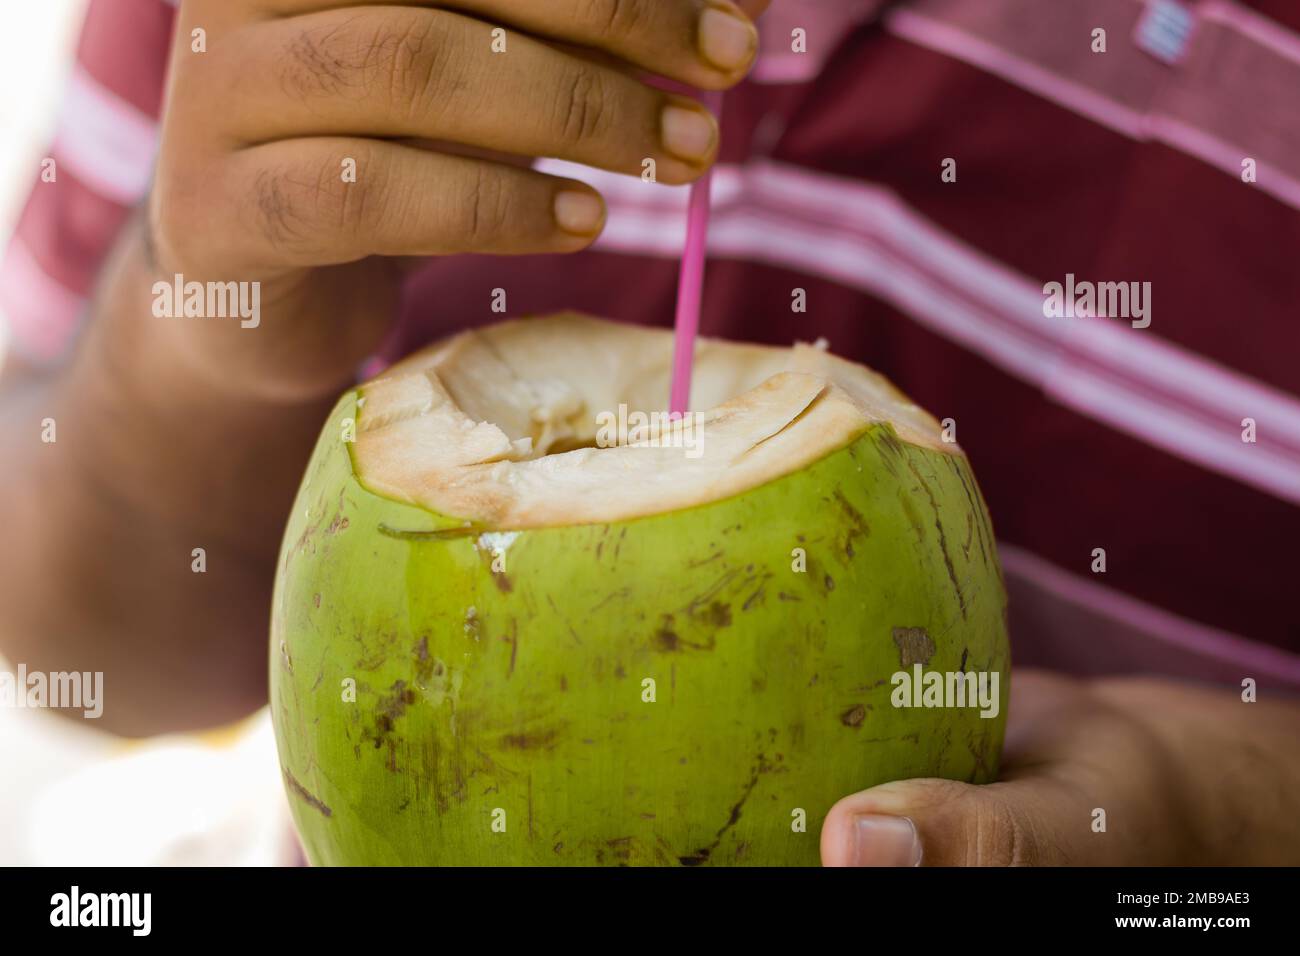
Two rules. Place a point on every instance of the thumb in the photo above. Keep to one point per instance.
(940, 823)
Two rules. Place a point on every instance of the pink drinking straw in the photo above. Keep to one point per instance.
(690, 285)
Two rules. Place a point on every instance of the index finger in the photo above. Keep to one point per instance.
(709, 44)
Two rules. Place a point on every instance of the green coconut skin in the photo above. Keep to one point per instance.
(519, 733)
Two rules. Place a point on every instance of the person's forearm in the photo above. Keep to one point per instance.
(152, 460)
(1237, 764)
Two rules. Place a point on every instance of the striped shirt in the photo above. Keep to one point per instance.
(922, 172)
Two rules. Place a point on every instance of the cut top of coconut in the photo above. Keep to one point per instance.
(559, 421)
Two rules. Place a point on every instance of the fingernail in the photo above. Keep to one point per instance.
(885, 841)
(726, 41)
(579, 213)
(688, 134)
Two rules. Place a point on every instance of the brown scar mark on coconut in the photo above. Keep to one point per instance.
(513, 641)
(913, 738)
(982, 529)
(693, 607)
(621, 847)
(426, 666)
(857, 524)
(759, 594)
(545, 740)
(964, 652)
(339, 523)
(668, 640)
(829, 582)
(612, 595)
(890, 449)
(315, 599)
(782, 596)
(945, 744)
(913, 517)
(391, 708)
(372, 662)
(854, 716)
(558, 613)
(702, 855)
(719, 614)
(502, 582)
(943, 541)
(300, 546)
(868, 688)
(305, 795)
(970, 531)
(915, 646)
(709, 560)
(890, 442)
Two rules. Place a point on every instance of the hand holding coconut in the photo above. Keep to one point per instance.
(1112, 772)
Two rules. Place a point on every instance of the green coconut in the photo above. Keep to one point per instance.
(506, 630)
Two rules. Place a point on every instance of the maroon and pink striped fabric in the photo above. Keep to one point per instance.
(1115, 167)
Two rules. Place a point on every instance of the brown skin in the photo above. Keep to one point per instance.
(95, 573)
(175, 434)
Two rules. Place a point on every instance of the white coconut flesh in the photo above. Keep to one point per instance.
(517, 425)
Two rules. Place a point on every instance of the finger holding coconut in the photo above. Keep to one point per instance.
(495, 641)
